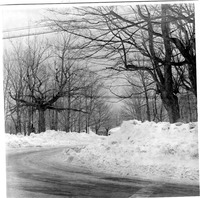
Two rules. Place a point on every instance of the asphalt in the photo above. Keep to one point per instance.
(34, 173)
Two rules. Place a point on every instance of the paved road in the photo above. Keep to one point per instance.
(34, 174)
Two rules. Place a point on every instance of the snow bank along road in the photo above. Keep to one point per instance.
(38, 172)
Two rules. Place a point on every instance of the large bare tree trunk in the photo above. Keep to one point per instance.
(68, 124)
(68, 118)
(30, 120)
(189, 108)
(193, 77)
(79, 122)
(170, 100)
(41, 120)
(147, 104)
(56, 120)
(18, 122)
(53, 120)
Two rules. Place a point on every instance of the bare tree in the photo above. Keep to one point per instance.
(91, 94)
(74, 71)
(43, 82)
(101, 117)
(13, 81)
(154, 32)
(133, 107)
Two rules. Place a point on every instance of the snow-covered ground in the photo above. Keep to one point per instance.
(160, 151)
(50, 138)
(111, 131)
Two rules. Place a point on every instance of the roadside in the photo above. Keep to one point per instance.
(41, 173)
(156, 151)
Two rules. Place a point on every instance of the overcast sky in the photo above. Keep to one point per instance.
(15, 17)
(19, 20)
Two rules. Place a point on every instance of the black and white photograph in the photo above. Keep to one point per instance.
(99, 99)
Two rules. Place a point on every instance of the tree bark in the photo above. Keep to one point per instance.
(147, 104)
(18, 123)
(68, 123)
(193, 78)
(56, 120)
(79, 122)
(161, 112)
(53, 120)
(170, 100)
(29, 120)
(148, 113)
(171, 104)
(41, 120)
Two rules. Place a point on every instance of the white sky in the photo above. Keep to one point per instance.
(26, 16)
(61, 1)
(14, 17)
(20, 17)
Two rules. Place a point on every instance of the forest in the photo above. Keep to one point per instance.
(66, 80)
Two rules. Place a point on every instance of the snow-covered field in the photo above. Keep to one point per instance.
(161, 151)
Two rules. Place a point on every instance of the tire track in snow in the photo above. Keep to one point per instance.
(147, 191)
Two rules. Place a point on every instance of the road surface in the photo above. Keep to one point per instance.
(36, 174)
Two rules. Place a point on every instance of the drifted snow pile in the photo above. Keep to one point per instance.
(114, 130)
(50, 138)
(151, 150)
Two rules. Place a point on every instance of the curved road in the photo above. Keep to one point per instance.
(34, 174)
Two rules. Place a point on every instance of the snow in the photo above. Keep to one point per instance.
(161, 151)
(50, 138)
(111, 131)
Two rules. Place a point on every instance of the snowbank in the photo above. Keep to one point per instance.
(50, 138)
(151, 150)
(161, 151)
(112, 131)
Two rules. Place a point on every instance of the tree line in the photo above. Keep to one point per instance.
(49, 81)
(46, 86)
(158, 40)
